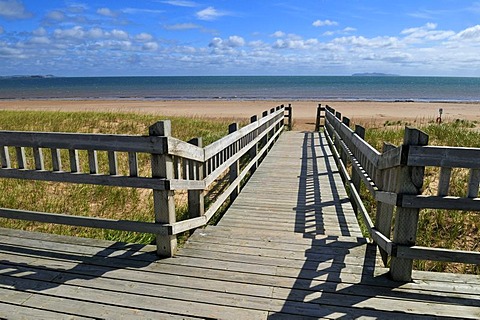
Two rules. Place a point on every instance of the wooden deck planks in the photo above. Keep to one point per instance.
(289, 247)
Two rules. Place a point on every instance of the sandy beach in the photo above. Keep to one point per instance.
(303, 111)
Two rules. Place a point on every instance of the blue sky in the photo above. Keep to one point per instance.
(203, 37)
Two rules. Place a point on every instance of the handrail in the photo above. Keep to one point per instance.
(395, 178)
(175, 165)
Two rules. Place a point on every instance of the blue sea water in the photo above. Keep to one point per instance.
(369, 88)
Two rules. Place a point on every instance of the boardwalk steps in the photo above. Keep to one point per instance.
(289, 247)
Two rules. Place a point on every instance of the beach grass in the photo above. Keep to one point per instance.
(90, 200)
(449, 229)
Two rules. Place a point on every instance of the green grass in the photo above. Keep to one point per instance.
(449, 229)
(89, 200)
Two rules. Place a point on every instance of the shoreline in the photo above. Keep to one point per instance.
(304, 111)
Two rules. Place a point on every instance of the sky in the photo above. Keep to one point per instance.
(271, 37)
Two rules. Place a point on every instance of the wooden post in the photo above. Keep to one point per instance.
(196, 198)
(317, 120)
(265, 138)
(234, 167)
(384, 215)
(254, 150)
(163, 201)
(289, 116)
(409, 181)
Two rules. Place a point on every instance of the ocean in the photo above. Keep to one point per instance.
(290, 88)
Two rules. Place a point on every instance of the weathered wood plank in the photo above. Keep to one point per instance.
(81, 141)
(98, 179)
(438, 254)
(91, 222)
(435, 202)
(454, 157)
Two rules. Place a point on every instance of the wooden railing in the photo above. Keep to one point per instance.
(175, 165)
(395, 178)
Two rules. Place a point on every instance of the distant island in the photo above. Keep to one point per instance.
(374, 74)
(33, 76)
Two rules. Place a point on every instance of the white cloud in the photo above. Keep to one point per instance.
(96, 33)
(119, 34)
(13, 9)
(56, 15)
(349, 29)
(210, 14)
(294, 44)
(141, 11)
(425, 33)
(322, 23)
(256, 44)
(40, 32)
(40, 40)
(231, 42)
(106, 12)
(181, 26)
(359, 42)
(150, 46)
(8, 52)
(428, 26)
(278, 34)
(346, 30)
(144, 37)
(76, 32)
(472, 33)
(236, 41)
(181, 3)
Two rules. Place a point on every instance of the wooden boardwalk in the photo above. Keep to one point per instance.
(289, 247)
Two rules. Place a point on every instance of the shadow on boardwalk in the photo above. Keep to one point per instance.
(338, 278)
(26, 273)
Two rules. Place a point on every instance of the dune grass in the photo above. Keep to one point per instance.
(90, 200)
(449, 229)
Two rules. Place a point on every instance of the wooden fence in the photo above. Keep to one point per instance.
(175, 165)
(395, 178)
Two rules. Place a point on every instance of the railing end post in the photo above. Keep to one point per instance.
(161, 128)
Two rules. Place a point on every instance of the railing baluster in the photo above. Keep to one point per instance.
(5, 157)
(444, 181)
(56, 159)
(473, 183)
(38, 159)
(196, 198)
(235, 167)
(92, 161)
(112, 163)
(133, 164)
(74, 161)
(20, 152)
